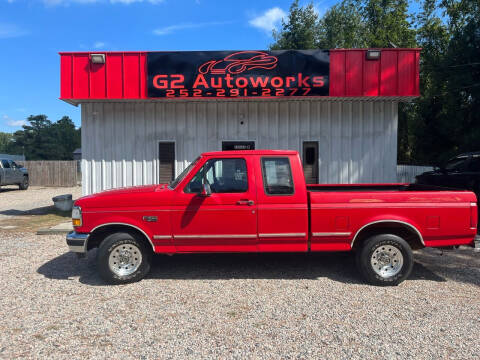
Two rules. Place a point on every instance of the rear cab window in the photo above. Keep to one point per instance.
(277, 176)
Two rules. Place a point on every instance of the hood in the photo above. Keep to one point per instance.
(135, 196)
(126, 190)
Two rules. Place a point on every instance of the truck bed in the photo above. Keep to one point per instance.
(442, 216)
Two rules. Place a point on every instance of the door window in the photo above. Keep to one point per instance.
(223, 176)
(277, 176)
(456, 164)
(6, 164)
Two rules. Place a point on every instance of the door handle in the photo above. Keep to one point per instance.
(245, 202)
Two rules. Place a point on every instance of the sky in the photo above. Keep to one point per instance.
(32, 32)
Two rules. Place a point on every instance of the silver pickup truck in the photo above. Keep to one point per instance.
(13, 174)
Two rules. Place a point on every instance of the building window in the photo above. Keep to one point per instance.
(166, 159)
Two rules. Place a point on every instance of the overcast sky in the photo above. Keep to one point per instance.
(32, 32)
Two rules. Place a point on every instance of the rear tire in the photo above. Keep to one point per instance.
(385, 260)
(123, 258)
(24, 184)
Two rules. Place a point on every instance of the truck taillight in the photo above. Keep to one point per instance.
(473, 215)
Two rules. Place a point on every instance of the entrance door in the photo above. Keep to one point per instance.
(310, 161)
(166, 159)
(225, 220)
(238, 145)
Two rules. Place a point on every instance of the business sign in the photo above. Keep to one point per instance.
(234, 74)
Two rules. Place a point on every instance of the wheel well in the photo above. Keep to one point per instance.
(405, 231)
(99, 234)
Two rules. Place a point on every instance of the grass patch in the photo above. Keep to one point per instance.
(36, 219)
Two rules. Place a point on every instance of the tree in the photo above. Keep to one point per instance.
(350, 23)
(68, 138)
(342, 26)
(44, 140)
(387, 23)
(445, 119)
(5, 139)
(299, 31)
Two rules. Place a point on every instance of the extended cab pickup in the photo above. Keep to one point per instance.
(257, 201)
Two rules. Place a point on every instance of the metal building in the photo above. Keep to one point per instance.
(133, 134)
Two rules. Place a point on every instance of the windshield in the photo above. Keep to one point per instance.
(455, 164)
(184, 173)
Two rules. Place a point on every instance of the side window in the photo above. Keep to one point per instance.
(456, 164)
(223, 176)
(6, 164)
(277, 176)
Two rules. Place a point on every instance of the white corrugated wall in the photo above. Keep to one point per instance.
(357, 138)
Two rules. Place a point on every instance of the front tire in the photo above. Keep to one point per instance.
(24, 184)
(123, 258)
(385, 260)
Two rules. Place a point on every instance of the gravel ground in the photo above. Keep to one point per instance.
(234, 306)
(14, 202)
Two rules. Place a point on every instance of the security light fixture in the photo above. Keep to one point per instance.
(97, 58)
(373, 54)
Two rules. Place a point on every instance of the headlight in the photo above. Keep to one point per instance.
(77, 216)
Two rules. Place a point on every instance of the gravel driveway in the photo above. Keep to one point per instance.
(234, 306)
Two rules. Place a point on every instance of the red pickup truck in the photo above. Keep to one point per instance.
(257, 201)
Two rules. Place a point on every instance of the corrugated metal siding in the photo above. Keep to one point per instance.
(396, 73)
(357, 139)
(407, 173)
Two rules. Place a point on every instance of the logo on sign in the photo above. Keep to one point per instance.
(239, 62)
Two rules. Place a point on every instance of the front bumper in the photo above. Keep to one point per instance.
(476, 243)
(77, 242)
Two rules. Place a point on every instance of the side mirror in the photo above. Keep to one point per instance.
(206, 191)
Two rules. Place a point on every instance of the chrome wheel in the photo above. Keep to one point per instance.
(387, 261)
(125, 259)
